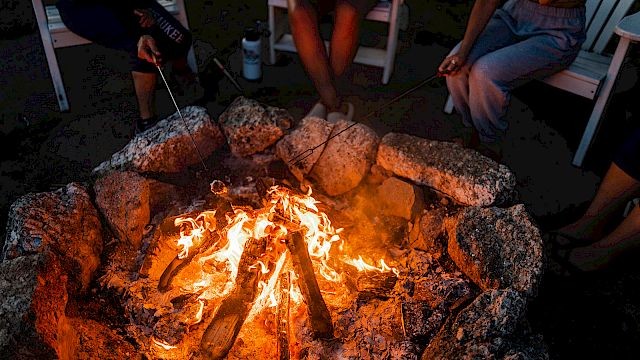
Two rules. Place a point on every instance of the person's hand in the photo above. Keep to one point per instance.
(452, 64)
(146, 19)
(148, 50)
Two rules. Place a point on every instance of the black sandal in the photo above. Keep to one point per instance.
(143, 125)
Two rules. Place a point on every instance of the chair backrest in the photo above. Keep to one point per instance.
(602, 18)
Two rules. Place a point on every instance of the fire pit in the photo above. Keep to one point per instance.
(399, 248)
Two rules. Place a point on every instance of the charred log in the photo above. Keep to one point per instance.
(318, 313)
(223, 208)
(375, 284)
(177, 264)
(282, 317)
(223, 330)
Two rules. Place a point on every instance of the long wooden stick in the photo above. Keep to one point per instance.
(318, 313)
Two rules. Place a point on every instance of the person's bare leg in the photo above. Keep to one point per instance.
(601, 253)
(344, 40)
(616, 189)
(303, 19)
(145, 87)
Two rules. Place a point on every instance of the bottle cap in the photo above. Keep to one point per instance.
(251, 34)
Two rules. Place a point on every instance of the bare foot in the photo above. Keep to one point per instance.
(585, 230)
(592, 257)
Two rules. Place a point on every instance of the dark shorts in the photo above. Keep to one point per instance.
(628, 156)
(117, 27)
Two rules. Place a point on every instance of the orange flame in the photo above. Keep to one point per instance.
(361, 265)
(286, 212)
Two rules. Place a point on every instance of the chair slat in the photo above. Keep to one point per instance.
(607, 31)
(592, 6)
(600, 17)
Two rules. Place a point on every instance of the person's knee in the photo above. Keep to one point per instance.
(484, 75)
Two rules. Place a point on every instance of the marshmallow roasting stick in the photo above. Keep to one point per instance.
(195, 146)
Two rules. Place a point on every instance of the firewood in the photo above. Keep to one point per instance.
(223, 208)
(223, 330)
(375, 284)
(282, 316)
(318, 313)
(177, 264)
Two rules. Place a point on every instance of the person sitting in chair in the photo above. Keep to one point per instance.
(501, 49)
(146, 31)
(325, 69)
(589, 244)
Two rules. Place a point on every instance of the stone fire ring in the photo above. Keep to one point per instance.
(469, 263)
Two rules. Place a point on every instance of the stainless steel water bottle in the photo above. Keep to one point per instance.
(251, 57)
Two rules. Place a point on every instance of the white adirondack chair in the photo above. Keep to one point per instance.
(55, 34)
(393, 12)
(593, 74)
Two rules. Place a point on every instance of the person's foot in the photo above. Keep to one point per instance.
(584, 231)
(318, 110)
(143, 125)
(335, 116)
(591, 257)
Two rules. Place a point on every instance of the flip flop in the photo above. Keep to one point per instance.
(334, 117)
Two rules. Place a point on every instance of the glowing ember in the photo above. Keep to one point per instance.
(163, 344)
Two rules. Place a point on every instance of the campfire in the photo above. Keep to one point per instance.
(371, 248)
(245, 265)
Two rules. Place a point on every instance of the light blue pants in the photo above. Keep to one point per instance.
(522, 41)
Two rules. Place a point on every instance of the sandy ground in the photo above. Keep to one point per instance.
(44, 149)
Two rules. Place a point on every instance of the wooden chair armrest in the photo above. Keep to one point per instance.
(629, 27)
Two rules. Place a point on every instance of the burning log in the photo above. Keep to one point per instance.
(375, 284)
(178, 263)
(223, 208)
(318, 313)
(221, 333)
(282, 317)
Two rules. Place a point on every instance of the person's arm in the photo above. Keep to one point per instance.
(480, 14)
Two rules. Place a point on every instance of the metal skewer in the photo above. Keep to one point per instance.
(228, 75)
(305, 154)
(195, 146)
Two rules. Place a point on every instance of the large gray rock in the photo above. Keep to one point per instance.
(400, 198)
(462, 174)
(497, 248)
(168, 147)
(64, 220)
(123, 199)
(294, 148)
(251, 127)
(346, 159)
(33, 298)
(491, 327)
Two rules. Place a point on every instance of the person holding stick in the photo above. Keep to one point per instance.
(503, 48)
(147, 32)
